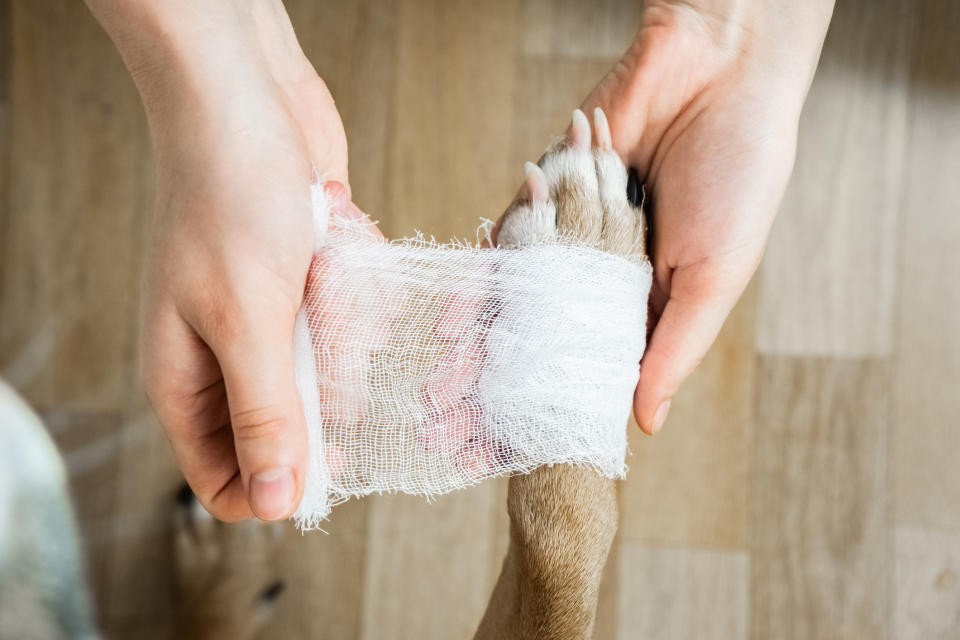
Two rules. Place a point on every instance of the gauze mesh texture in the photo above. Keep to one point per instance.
(424, 368)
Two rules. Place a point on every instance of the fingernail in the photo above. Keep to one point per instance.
(660, 416)
(272, 492)
(334, 189)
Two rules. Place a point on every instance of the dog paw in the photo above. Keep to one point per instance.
(227, 580)
(579, 190)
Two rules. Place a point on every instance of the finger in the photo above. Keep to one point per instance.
(681, 338)
(342, 207)
(184, 383)
(266, 416)
(337, 191)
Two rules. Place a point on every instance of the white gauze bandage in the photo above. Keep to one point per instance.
(425, 368)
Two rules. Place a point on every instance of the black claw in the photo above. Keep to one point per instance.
(633, 188)
(273, 592)
(185, 496)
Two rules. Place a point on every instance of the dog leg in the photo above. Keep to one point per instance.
(563, 518)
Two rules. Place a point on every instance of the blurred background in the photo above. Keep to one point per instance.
(807, 484)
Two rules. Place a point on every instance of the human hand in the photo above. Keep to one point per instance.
(705, 106)
(240, 123)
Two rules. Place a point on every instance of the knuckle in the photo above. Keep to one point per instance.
(258, 424)
(222, 322)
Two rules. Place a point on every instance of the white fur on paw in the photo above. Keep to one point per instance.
(534, 223)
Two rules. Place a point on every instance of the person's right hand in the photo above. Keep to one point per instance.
(240, 123)
(705, 105)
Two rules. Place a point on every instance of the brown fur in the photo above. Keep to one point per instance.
(562, 518)
(227, 579)
(562, 522)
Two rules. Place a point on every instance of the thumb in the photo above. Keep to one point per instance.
(266, 415)
(686, 329)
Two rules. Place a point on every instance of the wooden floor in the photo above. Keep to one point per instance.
(807, 485)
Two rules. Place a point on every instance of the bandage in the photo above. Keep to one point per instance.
(425, 367)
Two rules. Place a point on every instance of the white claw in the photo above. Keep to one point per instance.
(580, 130)
(601, 129)
(536, 182)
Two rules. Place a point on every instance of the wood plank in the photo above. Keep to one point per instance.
(6, 65)
(819, 546)
(138, 534)
(79, 198)
(427, 564)
(80, 189)
(677, 593)
(828, 279)
(353, 47)
(91, 444)
(925, 465)
(451, 127)
(547, 91)
(581, 30)
(689, 485)
(927, 601)
(325, 575)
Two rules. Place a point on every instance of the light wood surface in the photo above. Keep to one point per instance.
(828, 279)
(683, 593)
(807, 484)
(819, 546)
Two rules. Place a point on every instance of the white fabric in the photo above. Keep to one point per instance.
(424, 368)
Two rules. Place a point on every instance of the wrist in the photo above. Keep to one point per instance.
(779, 40)
(181, 52)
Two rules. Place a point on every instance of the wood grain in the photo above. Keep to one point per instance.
(677, 593)
(926, 472)
(927, 584)
(827, 283)
(547, 92)
(427, 567)
(456, 65)
(325, 578)
(72, 250)
(819, 546)
(689, 484)
(6, 66)
(79, 195)
(578, 30)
